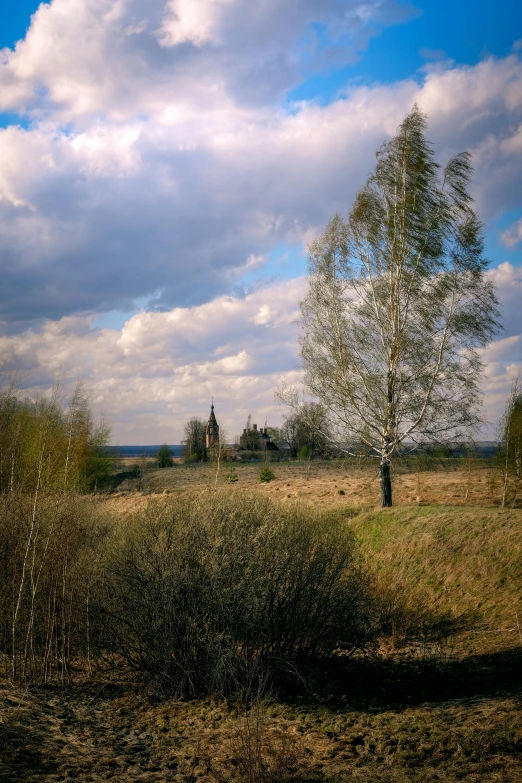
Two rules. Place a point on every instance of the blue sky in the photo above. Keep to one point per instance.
(164, 164)
(15, 16)
(465, 31)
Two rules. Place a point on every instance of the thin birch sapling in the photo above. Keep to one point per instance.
(511, 442)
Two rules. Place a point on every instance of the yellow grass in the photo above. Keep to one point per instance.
(325, 482)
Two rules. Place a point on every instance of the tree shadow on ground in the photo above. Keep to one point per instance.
(382, 684)
(120, 477)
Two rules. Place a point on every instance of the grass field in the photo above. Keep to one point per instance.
(337, 483)
(434, 708)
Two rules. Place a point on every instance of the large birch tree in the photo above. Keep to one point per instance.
(398, 302)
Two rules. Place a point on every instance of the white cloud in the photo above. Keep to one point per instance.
(195, 22)
(161, 368)
(82, 58)
(512, 235)
(508, 281)
(186, 202)
(157, 159)
(155, 168)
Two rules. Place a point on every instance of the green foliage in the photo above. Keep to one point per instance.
(266, 475)
(441, 452)
(202, 590)
(135, 470)
(164, 457)
(231, 476)
(304, 453)
(138, 472)
(51, 445)
(194, 441)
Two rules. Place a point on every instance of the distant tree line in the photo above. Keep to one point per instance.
(307, 429)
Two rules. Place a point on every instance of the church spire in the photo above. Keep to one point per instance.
(212, 431)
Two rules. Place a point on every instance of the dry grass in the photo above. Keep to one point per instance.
(465, 561)
(335, 484)
(406, 717)
(89, 738)
(463, 556)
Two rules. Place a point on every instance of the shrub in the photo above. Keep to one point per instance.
(164, 457)
(193, 458)
(138, 471)
(203, 587)
(266, 475)
(49, 556)
(304, 453)
(231, 476)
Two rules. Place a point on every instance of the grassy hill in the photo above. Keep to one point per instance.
(442, 705)
(465, 560)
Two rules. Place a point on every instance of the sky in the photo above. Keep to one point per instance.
(164, 165)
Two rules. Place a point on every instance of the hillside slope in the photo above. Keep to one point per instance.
(464, 560)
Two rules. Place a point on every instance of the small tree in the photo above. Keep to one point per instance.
(231, 476)
(194, 439)
(511, 442)
(164, 457)
(139, 472)
(397, 303)
(266, 475)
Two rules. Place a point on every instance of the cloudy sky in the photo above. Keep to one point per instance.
(164, 164)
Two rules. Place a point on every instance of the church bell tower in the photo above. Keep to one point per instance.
(212, 431)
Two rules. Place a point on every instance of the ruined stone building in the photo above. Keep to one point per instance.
(256, 440)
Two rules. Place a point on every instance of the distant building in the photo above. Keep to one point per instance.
(212, 430)
(256, 440)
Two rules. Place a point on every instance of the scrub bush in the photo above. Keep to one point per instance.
(201, 588)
